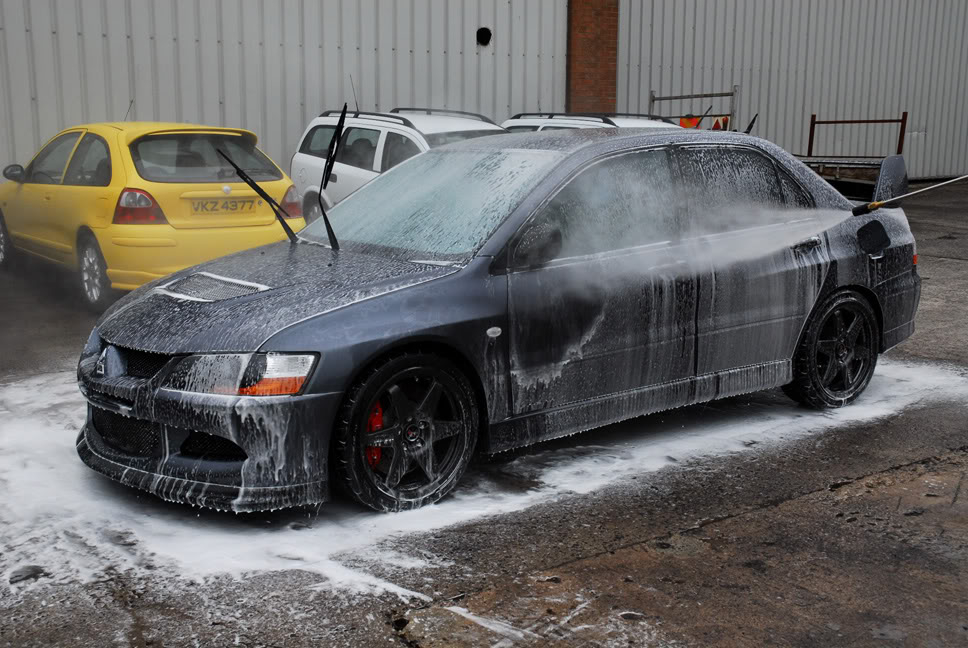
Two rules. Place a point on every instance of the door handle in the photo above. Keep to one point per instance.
(807, 244)
(332, 177)
(47, 196)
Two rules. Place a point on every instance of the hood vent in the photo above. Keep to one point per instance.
(204, 286)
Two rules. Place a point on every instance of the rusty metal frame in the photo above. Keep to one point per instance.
(732, 94)
(814, 122)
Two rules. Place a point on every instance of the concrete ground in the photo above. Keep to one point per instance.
(855, 535)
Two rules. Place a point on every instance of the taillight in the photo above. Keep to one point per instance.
(137, 207)
(915, 259)
(291, 203)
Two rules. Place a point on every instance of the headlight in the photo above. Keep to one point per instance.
(242, 374)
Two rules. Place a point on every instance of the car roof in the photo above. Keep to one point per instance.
(419, 121)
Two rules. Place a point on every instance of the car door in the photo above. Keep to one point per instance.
(355, 162)
(306, 168)
(84, 196)
(397, 148)
(762, 256)
(27, 210)
(599, 302)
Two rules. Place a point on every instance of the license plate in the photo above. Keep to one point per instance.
(223, 205)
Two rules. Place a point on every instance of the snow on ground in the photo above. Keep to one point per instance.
(77, 526)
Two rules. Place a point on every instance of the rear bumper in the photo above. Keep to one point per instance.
(137, 254)
(899, 298)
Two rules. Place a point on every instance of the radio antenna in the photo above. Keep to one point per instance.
(128, 111)
(354, 94)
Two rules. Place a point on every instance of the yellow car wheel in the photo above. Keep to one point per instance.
(95, 286)
(6, 248)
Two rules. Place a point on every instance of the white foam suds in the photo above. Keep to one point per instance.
(58, 514)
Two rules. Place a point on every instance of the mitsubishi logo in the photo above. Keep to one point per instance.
(99, 367)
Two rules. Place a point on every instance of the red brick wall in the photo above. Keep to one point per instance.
(592, 55)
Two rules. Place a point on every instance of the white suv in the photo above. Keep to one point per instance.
(372, 143)
(560, 121)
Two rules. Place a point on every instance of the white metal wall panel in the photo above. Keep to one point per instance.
(268, 65)
(840, 59)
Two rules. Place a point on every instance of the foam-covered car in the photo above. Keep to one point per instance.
(487, 295)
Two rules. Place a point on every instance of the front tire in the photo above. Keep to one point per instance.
(837, 354)
(93, 274)
(406, 432)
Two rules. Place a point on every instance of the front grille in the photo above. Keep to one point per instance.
(203, 286)
(128, 435)
(143, 364)
(200, 445)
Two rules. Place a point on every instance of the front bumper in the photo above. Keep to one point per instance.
(222, 452)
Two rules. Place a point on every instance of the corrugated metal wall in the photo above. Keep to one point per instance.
(268, 65)
(840, 59)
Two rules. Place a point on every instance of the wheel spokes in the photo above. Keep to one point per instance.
(403, 408)
(827, 347)
(830, 373)
(382, 438)
(839, 323)
(446, 429)
(853, 331)
(428, 404)
(399, 465)
(424, 457)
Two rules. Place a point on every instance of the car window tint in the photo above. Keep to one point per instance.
(515, 129)
(317, 141)
(544, 128)
(48, 166)
(91, 163)
(358, 147)
(618, 203)
(439, 139)
(193, 157)
(793, 194)
(729, 188)
(396, 149)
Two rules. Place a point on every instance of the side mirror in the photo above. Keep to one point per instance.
(540, 244)
(14, 172)
(892, 180)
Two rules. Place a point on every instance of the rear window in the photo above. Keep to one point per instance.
(193, 157)
(439, 139)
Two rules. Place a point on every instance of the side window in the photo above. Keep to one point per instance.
(91, 163)
(793, 193)
(317, 141)
(358, 147)
(729, 188)
(48, 166)
(396, 149)
(618, 203)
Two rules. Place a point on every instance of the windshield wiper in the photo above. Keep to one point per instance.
(327, 172)
(276, 208)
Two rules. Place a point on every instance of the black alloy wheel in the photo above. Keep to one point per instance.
(836, 358)
(406, 432)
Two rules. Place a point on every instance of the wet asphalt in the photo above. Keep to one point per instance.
(856, 535)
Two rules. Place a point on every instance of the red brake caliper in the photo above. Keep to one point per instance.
(374, 423)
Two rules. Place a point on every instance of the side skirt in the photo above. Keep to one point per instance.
(590, 414)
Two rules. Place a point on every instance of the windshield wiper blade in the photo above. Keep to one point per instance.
(276, 208)
(327, 172)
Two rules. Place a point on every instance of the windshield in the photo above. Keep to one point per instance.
(437, 206)
(192, 157)
(439, 139)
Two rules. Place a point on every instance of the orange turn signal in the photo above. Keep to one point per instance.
(274, 386)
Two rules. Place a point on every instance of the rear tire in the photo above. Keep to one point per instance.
(93, 274)
(6, 246)
(837, 354)
(406, 432)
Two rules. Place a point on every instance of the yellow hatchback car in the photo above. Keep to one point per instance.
(125, 203)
